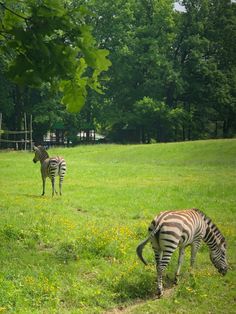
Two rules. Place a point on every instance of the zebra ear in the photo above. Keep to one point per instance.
(35, 148)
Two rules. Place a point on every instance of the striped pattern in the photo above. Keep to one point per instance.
(50, 167)
(172, 229)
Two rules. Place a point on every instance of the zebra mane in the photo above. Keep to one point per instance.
(210, 224)
(43, 150)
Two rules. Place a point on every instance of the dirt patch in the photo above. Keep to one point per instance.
(127, 309)
(131, 308)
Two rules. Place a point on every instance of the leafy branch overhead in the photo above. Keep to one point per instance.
(50, 42)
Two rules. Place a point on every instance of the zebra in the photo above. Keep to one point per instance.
(50, 167)
(172, 229)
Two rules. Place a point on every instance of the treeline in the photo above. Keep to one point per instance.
(173, 75)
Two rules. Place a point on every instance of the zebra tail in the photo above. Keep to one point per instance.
(139, 249)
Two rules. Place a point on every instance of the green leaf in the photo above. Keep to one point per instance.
(51, 8)
(82, 66)
(10, 21)
(102, 63)
(74, 95)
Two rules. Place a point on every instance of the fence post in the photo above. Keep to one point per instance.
(25, 131)
(31, 134)
(0, 128)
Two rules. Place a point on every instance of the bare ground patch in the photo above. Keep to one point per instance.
(168, 292)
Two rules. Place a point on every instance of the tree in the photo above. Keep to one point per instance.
(49, 42)
(173, 74)
(139, 35)
(152, 119)
(205, 56)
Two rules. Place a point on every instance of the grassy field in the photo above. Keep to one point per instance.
(76, 253)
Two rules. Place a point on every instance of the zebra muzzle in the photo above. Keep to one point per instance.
(223, 271)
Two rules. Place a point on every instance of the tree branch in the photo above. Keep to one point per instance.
(13, 12)
(3, 34)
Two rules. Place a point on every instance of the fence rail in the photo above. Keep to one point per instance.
(13, 132)
(26, 135)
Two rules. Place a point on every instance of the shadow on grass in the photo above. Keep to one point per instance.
(132, 291)
(137, 301)
(37, 196)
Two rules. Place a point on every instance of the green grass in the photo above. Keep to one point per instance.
(76, 253)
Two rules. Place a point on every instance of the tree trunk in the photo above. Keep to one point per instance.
(18, 108)
(189, 122)
(57, 137)
(87, 135)
(183, 132)
(226, 128)
(216, 129)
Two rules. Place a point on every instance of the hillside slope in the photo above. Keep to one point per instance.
(76, 253)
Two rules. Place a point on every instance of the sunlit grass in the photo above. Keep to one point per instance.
(76, 253)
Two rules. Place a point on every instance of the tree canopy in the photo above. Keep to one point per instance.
(173, 74)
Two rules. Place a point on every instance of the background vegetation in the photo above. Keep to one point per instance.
(76, 253)
(172, 76)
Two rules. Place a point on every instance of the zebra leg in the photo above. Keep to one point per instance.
(164, 259)
(158, 257)
(60, 184)
(180, 261)
(43, 179)
(53, 186)
(194, 249)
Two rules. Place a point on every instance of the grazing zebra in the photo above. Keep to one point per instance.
(172, 229)
(50, 167)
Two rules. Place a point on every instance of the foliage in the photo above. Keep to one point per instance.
(170, 57)
(202, 53)
(57, 30)
(184, 62)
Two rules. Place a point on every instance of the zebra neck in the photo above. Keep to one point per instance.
(42, 160)
(43, 157)
(212, 234)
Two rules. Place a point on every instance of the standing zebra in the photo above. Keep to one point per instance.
(50, 167)
(172, 229)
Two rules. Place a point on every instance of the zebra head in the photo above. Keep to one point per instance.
(40, 154)
(36, 156)
(218, 257)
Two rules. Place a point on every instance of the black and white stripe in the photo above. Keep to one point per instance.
(172, 229)
(50, 167)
